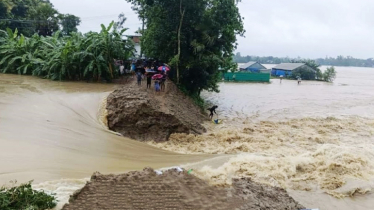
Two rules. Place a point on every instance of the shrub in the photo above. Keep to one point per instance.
(329, 75)
(24, 197)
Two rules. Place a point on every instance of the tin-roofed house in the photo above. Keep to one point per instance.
(285, 69)
(248, 72)
(252, 66)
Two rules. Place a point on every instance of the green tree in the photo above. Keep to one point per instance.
(35, 16)
(15, 17)
(69, 23)
(304, 73)
(329, 75)
(44, 18)
(3, 14)
(197, 37)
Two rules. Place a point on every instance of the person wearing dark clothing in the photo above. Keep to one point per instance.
(162, 82)
(139, 77)
(149, 80)
(212, 110)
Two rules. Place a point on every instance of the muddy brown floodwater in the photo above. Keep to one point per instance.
(315, 140)
(53, 131)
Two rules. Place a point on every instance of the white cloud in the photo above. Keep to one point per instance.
(93, 13)
(308, 28)
(305, 28)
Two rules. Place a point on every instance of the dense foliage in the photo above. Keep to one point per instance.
(24, 197)
(69, 23)
(329, 75)
(328, 61)
(35, 16)
(75, 57)
(304, 73)
(196, 37)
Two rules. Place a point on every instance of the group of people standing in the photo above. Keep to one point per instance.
(153, 70)
(150, 70)
(145, 70)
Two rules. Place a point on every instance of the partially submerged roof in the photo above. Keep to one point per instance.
(288, 66)
(246, 65)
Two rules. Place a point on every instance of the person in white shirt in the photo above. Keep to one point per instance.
(121, 70)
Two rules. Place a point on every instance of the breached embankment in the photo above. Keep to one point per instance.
(140, 114)
(175, 189)
(136, 113)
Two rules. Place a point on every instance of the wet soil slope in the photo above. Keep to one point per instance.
(140, 114)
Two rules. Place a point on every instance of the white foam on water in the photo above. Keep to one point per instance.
(299, 154)
(62, 189)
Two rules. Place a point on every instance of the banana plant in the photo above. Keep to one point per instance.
(19, 54)
(105, 47)
(58, 57)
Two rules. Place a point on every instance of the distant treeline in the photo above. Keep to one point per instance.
(35, 16)
(328, 61)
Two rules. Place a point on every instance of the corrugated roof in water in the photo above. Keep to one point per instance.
(288, 66)
(246, 65)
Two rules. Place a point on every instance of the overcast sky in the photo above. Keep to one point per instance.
(305, 28)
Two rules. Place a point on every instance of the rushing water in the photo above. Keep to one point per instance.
(53, 132)
(315, 137)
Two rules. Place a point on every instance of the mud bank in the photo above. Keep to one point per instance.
(140, 114)
(175, 190)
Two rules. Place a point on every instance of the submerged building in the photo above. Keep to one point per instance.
(285, 69)
(252, 66)
(248, 72)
